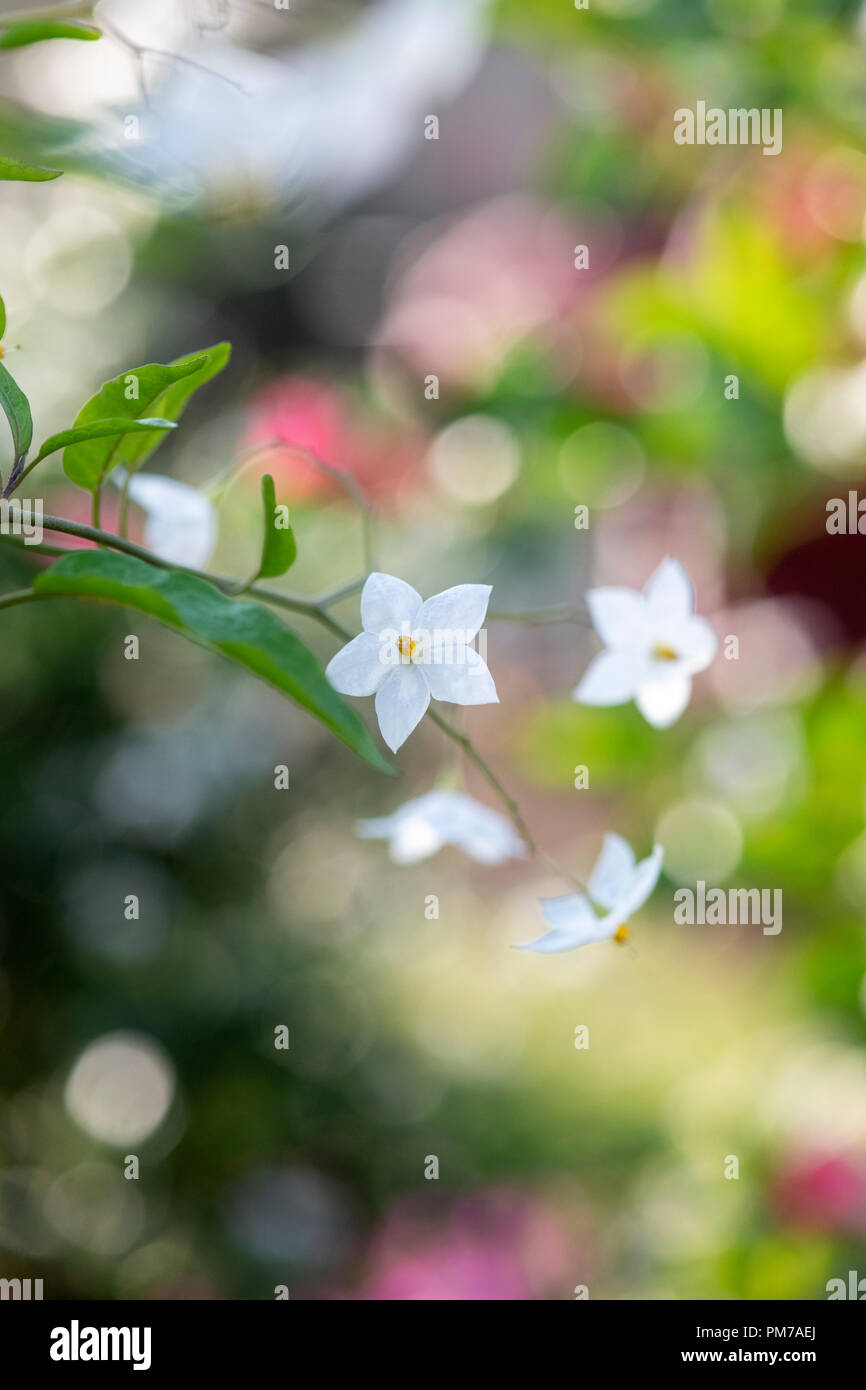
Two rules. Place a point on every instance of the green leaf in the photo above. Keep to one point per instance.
(163, 390)
(247, 633)
(98, 430)
(2, 318)
(28, 31)
(17, 410)
(29, 173)
(132, 396)
(172, 403)
(279, 548)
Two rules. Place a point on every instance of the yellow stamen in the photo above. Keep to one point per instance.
(664, 653)
(406, 647)
(621, 935)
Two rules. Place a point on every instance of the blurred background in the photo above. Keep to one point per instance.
(197, 138)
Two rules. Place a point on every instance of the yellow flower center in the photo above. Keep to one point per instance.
(662, 652)
(621, 935)
(406, 647)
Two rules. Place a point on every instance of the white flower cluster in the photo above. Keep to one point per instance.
(412, 651)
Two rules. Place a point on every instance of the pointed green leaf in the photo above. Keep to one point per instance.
(17, 410)
(132, 396)
(28, 173)
(2, 318)
(246, 632)
(163, 390)
(279, 549)
(27, 31)
(100, 429)
(172, 403)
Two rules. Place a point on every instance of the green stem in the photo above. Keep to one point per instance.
(22, 596)
(124, 506)
(309, 608)
(471, 752)
(99, 537)
(95, 508)
(475, 757)
(23, 474)
(343, 592)
(563, 873)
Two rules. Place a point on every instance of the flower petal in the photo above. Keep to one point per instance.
(644, 880)
(573, 923)
(181, 525)
(619, 616)
(611, 678)
(698, 644)
(357, 669)
(415, 839)
(552, 942)
(377, 827)
(669, 593)
(387, 603)
(414, 829)
(646, 876)
(422, 825)
(455, 614)
(571, 912)
(401, 704)
(462, 680)
(661, 702)
(485, 835)
(613, 873)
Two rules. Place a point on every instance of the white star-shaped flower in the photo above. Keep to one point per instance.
(425, 824)
(411, 652)
(617, 883)
(654, 645)
(181, 522)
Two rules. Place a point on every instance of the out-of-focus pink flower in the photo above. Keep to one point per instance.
(306, 414)
(499, 1245)
(315, 421)
(455, 1269)
(823, 1193)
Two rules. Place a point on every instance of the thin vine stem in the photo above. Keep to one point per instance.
(310, 608)
(17, 596)
(475, 757)
(123, 520)
(21, 476)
